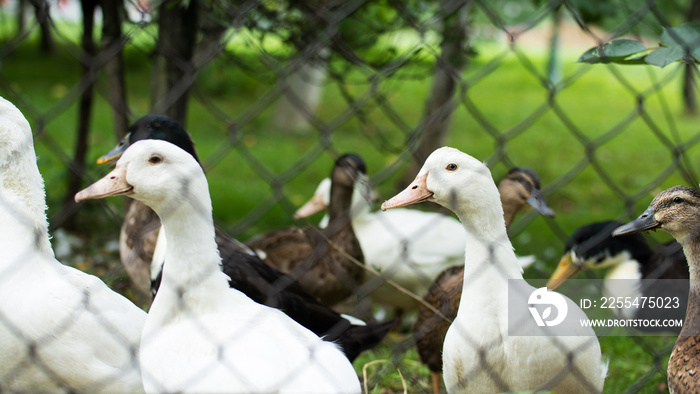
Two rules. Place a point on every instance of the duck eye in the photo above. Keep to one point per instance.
(678, 200)
(155, 159)
(451, 167)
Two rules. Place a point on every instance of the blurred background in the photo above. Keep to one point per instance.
(274, 91)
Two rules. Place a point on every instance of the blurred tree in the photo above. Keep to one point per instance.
(690, 73)
(112, 44)
(441, 103)
(173, 72)
(43, 17)
(65, 217)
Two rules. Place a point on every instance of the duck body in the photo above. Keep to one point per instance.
(143, 245)
(677, 211)
(61, 330)
(76, 350)
(262, 353)
(310, 254)
(479, 355)
(633, 270)
(407, 246)
(268, 286)
(305, 254)
(200, 334)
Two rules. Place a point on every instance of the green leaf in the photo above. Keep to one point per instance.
(684, 36)
(665, 55)
(616, 52)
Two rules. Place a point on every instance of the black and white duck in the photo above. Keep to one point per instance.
(632, 270)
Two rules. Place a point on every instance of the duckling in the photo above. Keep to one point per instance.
(247, 272)
(61, 330)
(478, 353)
(677, 211)
(630, 259)
(317, 257)
(201, 335)
(520, 187)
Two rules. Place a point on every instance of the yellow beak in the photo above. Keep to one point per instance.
(564, 271)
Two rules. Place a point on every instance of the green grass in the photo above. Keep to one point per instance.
(594, 102)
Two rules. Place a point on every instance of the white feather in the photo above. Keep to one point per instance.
(85, 336)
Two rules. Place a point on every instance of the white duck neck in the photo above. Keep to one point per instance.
(489, 258)
(192, 260)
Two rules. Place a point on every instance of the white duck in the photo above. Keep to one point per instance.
(479, 354)
(201, 335)
(412, 247)
(60, 329)
(385, 240)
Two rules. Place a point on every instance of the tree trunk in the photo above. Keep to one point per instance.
(112, 44)
(554, 68)
(21, 15)
(173, 70)
(442, 102)
(65, 218)
(43, 17)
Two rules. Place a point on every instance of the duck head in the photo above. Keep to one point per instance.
(157, 173)
(675, 210)
(347, 169)
(521, 186)
(452, 179)
(152, 127)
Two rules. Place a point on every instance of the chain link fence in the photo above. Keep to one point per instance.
(273, 92)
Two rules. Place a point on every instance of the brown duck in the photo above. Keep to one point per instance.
(677, 211)
(520, 187)
(318, 257)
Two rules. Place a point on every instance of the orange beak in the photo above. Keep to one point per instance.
(314, 205)
(416, 192)
(112, 184)
(564, 271)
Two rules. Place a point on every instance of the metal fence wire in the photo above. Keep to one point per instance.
(274, 94)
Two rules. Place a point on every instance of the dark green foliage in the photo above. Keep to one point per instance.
(677, 44)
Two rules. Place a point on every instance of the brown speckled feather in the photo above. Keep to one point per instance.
(137, 241)
(684, 363)
(684, 366)
(304, 254)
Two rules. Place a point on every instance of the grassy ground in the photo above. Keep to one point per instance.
(593, 102)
